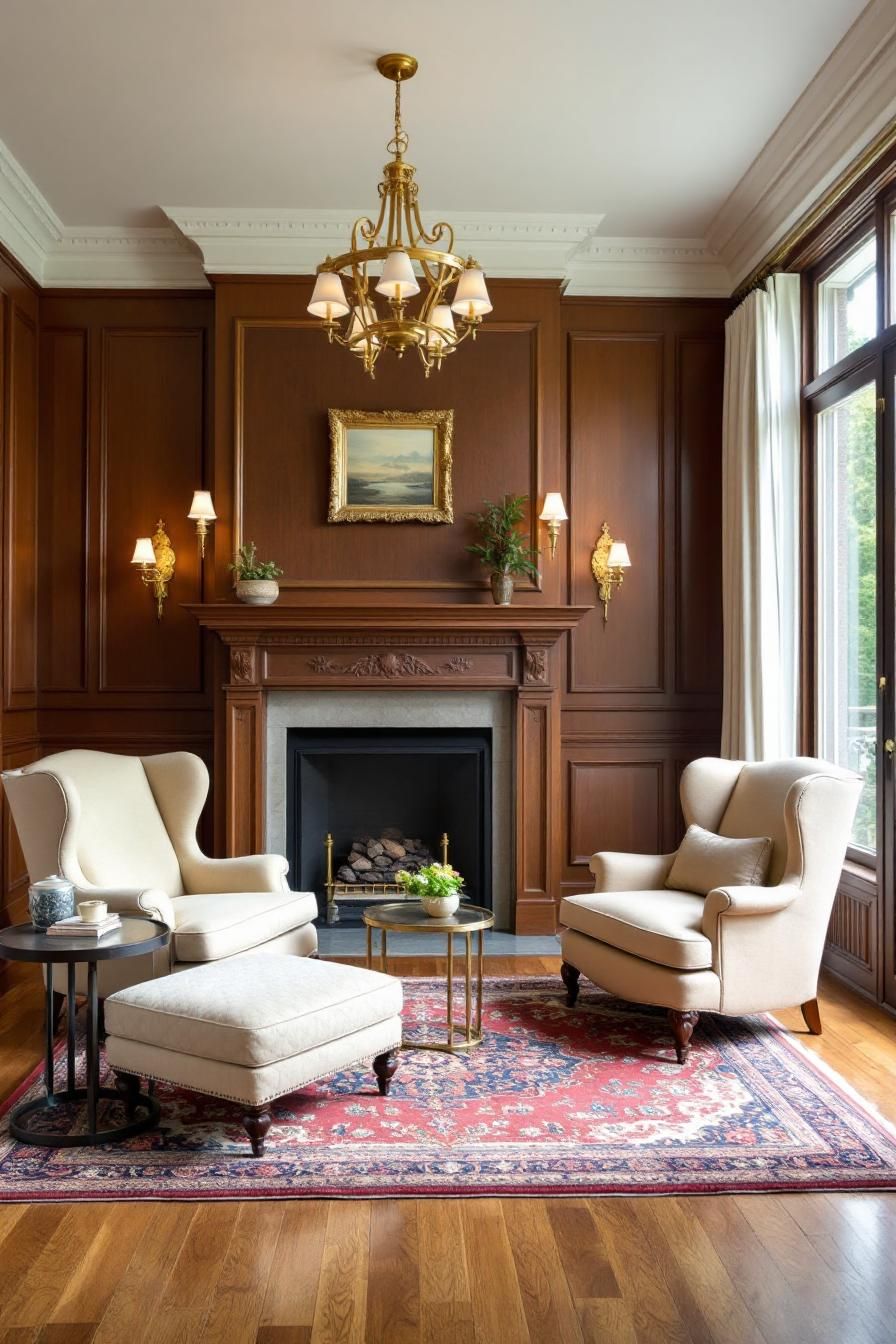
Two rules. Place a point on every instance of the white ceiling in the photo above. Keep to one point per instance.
(642, 112)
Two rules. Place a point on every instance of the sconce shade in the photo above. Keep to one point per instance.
(143, 552)
(202, 506)
(471, 296)
(554, 510)
(398, 280)
(328, 299)
(618, 556)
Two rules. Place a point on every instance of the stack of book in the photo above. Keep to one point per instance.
(76, 927)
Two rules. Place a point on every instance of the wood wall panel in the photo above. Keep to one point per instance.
(63, 510)
(616, 475)
(614, 804)
(698, 568)
(276, 378)
(21, 534)
(19, 316)
(152, 432)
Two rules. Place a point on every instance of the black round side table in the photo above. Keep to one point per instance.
(22, 942)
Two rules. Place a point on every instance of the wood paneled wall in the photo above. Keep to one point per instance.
(144, 397)
(124, 440)
(19, 324)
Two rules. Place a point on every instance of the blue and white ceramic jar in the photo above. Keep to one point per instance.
(51, 899)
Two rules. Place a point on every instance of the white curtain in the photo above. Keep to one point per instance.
(760, 523)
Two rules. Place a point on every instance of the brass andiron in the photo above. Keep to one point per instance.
(369, 891)
(156, 558)
(609, 561)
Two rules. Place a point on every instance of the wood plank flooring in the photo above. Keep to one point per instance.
(755, 1269)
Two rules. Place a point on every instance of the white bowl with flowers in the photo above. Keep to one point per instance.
(438, 886)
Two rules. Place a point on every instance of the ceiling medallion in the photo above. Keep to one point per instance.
(396, 259)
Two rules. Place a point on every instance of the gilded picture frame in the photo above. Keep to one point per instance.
(391, 467)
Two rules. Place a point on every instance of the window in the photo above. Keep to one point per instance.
(847, 305)
(846, 588)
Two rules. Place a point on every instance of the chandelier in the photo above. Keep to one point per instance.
(394, 260)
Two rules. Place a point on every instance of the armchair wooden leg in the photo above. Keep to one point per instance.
(384, 1067)
(811, 1016)
(256, 1123)
(683, 1025)
(570, 977)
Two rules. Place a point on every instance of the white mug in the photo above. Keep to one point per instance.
(93, 912)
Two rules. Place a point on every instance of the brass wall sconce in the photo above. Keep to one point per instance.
(155, 556)
(202, 512)
(554, 513)
(609, 560)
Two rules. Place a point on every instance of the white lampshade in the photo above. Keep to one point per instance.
(443, 319)
(202, 506)
(143, 552)
(357, 327)
(398, 280)
(328, 299)
(618, 556)
(471, 296)
(554, 510)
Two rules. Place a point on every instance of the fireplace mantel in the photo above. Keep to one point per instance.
(402, 648)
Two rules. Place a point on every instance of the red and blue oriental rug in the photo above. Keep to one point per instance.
(557, 1101)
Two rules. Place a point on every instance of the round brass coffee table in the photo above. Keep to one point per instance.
(410, 917)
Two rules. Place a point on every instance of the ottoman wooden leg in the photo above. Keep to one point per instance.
(256, 1123)
(384, 1067)
(128, 1084)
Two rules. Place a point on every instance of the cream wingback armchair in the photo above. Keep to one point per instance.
(738, 949)
(123, 829)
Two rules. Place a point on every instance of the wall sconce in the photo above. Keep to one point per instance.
(554, 513)
(609, 560)
(202, 512)
(155, 556)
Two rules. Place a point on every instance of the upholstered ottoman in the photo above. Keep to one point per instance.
(253, 1029)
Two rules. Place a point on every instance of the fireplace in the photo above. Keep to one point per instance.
(387, 796)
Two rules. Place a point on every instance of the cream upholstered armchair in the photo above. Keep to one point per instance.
(123, 829)
(738, 949)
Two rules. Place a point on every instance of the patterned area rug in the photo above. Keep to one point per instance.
(556, 1101)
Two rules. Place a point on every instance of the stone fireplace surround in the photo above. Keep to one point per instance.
(286, 658)
(382, 709)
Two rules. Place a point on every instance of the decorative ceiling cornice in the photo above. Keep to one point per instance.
(846, 105)
(648, 267)
(292, 242)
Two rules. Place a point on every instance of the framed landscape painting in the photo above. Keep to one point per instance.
(391, 467)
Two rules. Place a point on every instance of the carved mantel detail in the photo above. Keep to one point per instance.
(536, 665)
(242, 666)
(388, 665)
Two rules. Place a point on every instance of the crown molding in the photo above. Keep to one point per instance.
(29, 226)
(294, 242)
(849, 102)
(97, 258)
(647, 267)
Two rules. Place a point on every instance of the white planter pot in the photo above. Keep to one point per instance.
(257, 592)
(440, 907)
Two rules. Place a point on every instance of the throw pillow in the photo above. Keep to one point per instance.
(706, 861)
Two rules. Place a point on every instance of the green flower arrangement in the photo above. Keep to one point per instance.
(434, 882)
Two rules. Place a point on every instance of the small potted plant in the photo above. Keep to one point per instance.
(254, 580)
(438, 885)
(503, 548)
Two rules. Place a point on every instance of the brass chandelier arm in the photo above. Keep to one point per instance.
(365, 254)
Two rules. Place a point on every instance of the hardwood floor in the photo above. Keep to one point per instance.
(756, 1269)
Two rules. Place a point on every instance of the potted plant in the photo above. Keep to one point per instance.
(503, 548)
(254, 580)
(438, 886)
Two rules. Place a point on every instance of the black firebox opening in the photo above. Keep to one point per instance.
(361, 782)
